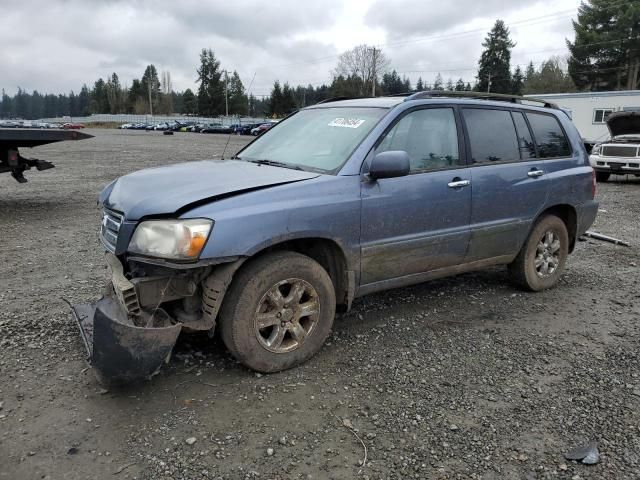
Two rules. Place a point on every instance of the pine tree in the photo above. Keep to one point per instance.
(151, 82)
(288, 100)
(449, 86)
(211, 90)
(517, 81)
(275, 101)
(189, 105)
(494, 70)
(420, 85)
(84, 101)
(531, 71)
(460, 85)
(551, 78)
(437, 84)
(237, 96)
(6, 110)
(605, 54)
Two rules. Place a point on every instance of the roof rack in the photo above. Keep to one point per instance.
(337, 99)
(499, 97)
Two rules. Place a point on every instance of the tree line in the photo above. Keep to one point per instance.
(605, 55)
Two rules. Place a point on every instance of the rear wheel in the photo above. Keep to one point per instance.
(541, 261)
(602, 176)
(278, 311)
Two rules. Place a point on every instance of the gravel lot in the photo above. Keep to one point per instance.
(466, 377)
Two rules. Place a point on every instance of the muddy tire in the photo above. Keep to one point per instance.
(602, 176)
(541, 261)
(278, 311)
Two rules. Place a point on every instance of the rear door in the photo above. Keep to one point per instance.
(419, 222)
(509, 181)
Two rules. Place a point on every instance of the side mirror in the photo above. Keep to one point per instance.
(394, 163)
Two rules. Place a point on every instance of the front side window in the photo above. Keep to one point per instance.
(492, 135)
(550, 137)
(600, 114)
(318, 139)
(429, 136)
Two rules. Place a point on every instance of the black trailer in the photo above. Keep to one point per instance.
(12, 139)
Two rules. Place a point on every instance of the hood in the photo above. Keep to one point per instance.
(624, 123)
(168, 190)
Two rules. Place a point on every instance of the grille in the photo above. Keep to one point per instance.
(619, 151)
(111, 222)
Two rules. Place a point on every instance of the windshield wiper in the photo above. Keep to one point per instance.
(275, 163)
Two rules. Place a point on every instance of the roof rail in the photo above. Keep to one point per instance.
(337, 99)
(499, 97)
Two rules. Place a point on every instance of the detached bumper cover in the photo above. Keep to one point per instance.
(120, 351)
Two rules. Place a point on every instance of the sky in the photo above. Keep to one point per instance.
(55, 46)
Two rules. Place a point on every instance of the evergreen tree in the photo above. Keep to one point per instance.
(150, 82)
(437, 84)
(605, 54)
(211, 100)
(288, 100)
(84, 101)
(551, 78)
(517, 81)
(6, 107)
(531, 71)
(392, 83)
(460, 85)
(494, 70)
(420, 85)
(189, 105)
(99, 97)
(135, 98)
(237, 96)
(449, 87)
(275, 101)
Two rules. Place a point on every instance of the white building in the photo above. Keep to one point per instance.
(590, 109)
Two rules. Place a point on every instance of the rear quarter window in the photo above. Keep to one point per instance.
(549, 136)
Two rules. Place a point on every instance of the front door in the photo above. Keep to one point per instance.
(419, 222)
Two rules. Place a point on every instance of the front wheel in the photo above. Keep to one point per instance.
(278, 311)
(541, 261)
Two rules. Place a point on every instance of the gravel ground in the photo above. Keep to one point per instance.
(466, 377)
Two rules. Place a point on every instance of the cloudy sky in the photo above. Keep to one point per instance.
(57, 45)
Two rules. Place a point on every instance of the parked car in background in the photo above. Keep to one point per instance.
(246, 129)
(72, 126)
(339, 200)
(621, 154)
(216, 128)
(126, 126)
(260, 129)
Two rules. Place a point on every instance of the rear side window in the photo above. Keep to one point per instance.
(492, 135)
(525, 142)
(549, 136)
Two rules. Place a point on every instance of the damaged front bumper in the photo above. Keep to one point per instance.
(120, 351)
(128, 335)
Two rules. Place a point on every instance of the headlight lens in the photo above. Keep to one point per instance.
(596, 149)
(172, 239)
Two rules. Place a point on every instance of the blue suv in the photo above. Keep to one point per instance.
(342, 199)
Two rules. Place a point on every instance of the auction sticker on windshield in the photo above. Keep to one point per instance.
(346, 122)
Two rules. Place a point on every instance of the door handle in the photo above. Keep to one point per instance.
(535, 173)
(457, 183)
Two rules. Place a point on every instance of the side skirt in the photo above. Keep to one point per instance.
(432, 275)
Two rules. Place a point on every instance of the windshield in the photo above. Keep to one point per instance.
(318, 139)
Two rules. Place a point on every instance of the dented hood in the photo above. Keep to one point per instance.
(167, 190)
(624, 123)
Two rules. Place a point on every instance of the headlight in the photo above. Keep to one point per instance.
(596, 149)
(172, 239)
